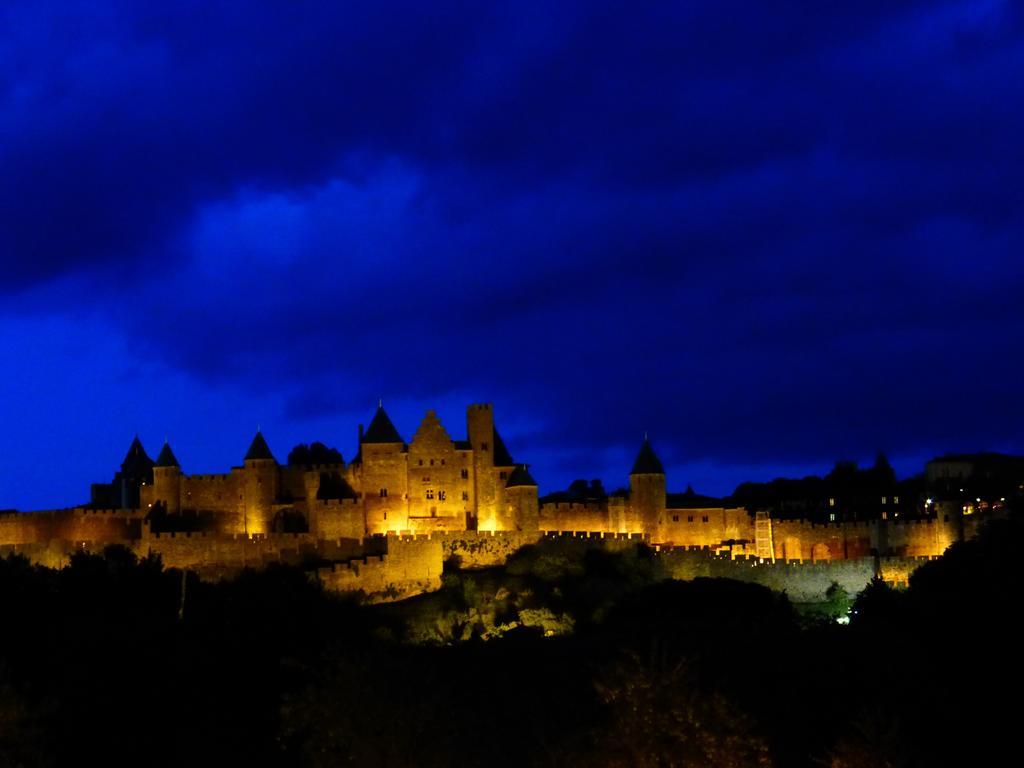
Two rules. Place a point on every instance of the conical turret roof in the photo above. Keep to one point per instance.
(136, 461)
(647, 461)
(167, 457)
(259, 449)
(381, 430)
(520, 477)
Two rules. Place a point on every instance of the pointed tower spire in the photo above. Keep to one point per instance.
(136, 460)
(647, 461)
(520, 477)
(381, 430)
(259, 450)
(167, 457)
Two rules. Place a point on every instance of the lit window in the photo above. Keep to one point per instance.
(895, 499)
(831, 502)
(883, 499)
(832, 517)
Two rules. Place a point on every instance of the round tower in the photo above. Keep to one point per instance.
(383, 475)
(523, 508)
(167, 480)
(261, 479)
(647, 492)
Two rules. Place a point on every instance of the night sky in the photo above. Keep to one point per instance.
(770, 234)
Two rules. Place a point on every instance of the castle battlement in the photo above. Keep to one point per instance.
(570, 506)
(329, 503)
(916, 521)
(838, 525)
(555, 534)
(87, 511)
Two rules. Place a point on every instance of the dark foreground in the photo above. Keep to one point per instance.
(103, 663)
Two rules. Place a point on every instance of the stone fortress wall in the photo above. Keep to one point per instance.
(384, 523)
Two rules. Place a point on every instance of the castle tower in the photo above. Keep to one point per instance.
(492, 465)
(167, 480)
(480, 430)
(383, 475)
(136, 471)
(261, 478)
(647, 491)
(521, 502)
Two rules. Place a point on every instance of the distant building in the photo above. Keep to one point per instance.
(970, 483)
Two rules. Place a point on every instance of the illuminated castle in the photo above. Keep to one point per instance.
(433, 483)
(386, 521)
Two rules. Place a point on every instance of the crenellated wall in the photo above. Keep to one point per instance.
(455, 496)
(410, 566)
(482, 549)
(710, 527)
(215, 493)
(804, 540)
(592, 517)
(77, 524)
(917, 538)
(802, 582)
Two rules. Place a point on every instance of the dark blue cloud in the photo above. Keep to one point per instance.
(771, 235)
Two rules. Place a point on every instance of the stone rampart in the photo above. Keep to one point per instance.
(803, 582)
(571, 516)
(707, 527)
(917, 538)
(482, 549)
(77, 524)
(218, 554)
(897, 570)
(410, 566)
(806, 540)
(212, 493)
